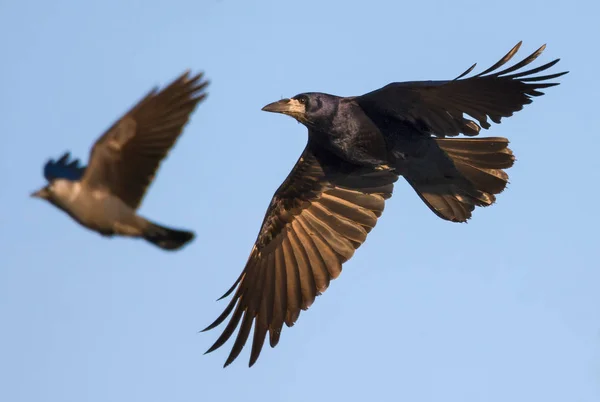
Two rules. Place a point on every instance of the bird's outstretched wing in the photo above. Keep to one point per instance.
(317, 218)
(63, 168)
(126, 157)
(438, 107)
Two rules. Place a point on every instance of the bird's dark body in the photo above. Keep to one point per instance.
(358, 139)
(342, 127)
(357, 148)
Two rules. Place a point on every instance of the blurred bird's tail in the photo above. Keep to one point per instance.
(166, 238)
(479, 162)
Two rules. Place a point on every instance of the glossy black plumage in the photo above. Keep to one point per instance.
(437, 107)
(357, 147)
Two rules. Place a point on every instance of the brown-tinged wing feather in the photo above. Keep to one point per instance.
(126, 157)
(318, 217)
(438, 107)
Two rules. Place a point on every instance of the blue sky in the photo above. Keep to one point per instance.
(505, 308)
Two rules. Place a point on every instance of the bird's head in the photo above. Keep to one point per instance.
(45, 193)
(311, 109)
(55, 190)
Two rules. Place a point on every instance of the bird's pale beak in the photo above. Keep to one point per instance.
(290, 107)
(41, 193)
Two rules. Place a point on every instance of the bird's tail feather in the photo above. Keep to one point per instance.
(166, 238)
(480, 162)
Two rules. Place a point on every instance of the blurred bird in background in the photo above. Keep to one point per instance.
(104, 195)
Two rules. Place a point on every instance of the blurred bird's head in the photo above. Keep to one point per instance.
(55, 191)
(44, 193)
(313, 109)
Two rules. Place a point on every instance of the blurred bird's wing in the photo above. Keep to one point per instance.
(63, 169)
(126, 157)
(438, 107)
(317, 218)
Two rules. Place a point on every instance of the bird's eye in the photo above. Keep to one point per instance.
(302, 100)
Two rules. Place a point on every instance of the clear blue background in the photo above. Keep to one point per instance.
(505, 308)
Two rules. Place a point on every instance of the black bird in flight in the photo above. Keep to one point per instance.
(357, 147)
(105, 195)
